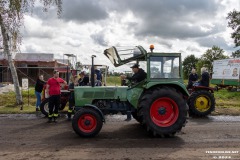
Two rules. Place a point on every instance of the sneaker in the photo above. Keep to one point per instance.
(37, 109)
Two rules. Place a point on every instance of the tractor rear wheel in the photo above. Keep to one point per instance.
(163, 111)
(201, 103)
(44, 106)
(87, 122)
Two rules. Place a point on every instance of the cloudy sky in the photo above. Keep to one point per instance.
(88, 27)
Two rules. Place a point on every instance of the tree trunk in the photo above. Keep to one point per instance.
(18, 92)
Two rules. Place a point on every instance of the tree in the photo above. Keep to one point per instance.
(234, 23)
(199, 65)
(236, 54)
(210, 55)
(188, 63)
(11, 18)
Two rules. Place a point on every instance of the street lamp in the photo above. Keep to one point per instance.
(68, 55)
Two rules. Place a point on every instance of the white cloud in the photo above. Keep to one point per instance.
(88, 27)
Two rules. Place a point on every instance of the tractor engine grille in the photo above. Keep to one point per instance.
(99, 95)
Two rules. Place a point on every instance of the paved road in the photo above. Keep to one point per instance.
(30, 137)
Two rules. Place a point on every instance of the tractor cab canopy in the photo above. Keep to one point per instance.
(165, 65)
(122, 55)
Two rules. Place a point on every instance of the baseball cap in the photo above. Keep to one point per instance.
(135, 66)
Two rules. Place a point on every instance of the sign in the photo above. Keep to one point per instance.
(24, 84)
(226, 69)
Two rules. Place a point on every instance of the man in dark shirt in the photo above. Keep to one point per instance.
(204, 78)
(138, 76)
(84, 79)
(193, 77)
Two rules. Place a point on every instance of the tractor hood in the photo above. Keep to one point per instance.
(122, 55)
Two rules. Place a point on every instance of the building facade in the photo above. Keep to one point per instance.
(30, 66)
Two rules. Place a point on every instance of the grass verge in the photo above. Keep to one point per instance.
(8, 102)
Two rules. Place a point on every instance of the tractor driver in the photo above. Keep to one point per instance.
(138, 76)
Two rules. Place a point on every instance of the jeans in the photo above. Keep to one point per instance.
(38, 95)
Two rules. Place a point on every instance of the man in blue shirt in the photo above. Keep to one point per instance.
(98, 73)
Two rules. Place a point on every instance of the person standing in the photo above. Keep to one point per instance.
(98, 73)
(193, 77)
(38, 90)
(74, 82)
(96, 81)
(54, 91)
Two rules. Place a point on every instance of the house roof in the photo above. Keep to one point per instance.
(46, 57)
(35, 57)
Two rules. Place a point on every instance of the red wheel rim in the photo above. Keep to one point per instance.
(87, 123)
(164, 112)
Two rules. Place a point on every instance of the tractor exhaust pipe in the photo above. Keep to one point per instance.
(92, 71)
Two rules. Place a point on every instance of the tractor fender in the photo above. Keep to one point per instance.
(175, 84)
(210, 89)
(96, 109)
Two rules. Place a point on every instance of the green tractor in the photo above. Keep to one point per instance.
(159, 102)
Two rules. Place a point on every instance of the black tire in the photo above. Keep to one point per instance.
(163, 111)
(136, 116)
(92, 117)
(44, 107)
(203, 99)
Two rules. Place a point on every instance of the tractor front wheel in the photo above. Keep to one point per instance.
(163, 111)
(87, 122)
(201, 103)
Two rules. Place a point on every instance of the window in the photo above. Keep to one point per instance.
(143, 65)
(164, 67)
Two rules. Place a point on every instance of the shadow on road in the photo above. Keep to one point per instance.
(126, 136)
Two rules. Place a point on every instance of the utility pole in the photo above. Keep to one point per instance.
(92, 71)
